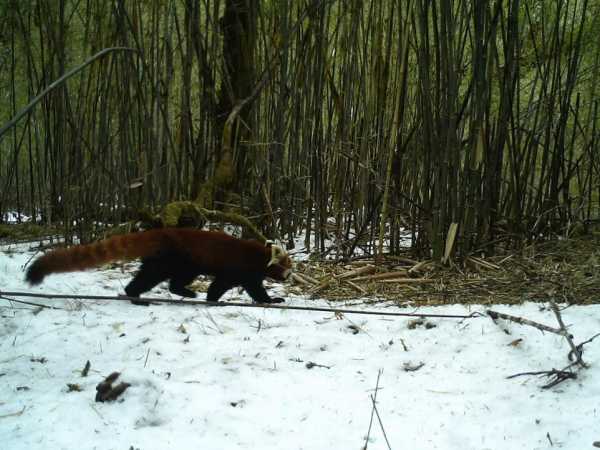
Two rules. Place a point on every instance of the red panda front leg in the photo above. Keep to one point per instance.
(257, 291)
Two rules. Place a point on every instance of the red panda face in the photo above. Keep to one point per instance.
(280, 265)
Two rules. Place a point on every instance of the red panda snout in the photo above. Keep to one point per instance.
(280, 270)
(279, 273)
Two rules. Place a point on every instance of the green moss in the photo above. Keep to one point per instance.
(183, 213)
(205, 195)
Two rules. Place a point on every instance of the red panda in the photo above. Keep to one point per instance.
(178, 255)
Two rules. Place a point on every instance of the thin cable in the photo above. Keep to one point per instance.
(243, 305)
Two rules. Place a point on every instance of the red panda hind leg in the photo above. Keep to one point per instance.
(151, 273)
(178, 283)
(217, 288)
(155, 270)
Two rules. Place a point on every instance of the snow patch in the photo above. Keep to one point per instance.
(238, 378)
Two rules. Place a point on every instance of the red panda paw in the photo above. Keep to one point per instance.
(140, 302)
(135, 302)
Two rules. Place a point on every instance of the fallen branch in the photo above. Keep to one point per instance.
(575, 354)
(372, 410)
(559, 376)
(562, 374)
(380, 423)
(310, 365)
(522, 321)
(575, 351)
(588, 341)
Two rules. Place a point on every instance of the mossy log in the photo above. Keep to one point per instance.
(187, 213)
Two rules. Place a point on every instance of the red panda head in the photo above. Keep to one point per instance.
(279, 266)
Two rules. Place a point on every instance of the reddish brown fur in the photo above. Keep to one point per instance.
(215, 251)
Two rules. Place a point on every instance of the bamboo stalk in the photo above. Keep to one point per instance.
(357, 272)
(409, 281)
(382, 276)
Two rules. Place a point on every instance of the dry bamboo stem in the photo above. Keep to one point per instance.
(357, 287)
(483, 263)
(409, 280)
(382, 276)
(355, 272)
(321, 286)
(301, 279)
(417, 267)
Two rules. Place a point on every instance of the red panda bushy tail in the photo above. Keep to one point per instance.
(80, 257)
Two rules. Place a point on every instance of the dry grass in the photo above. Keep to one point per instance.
(563, 270)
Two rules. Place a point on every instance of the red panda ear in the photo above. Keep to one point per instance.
(277, 253)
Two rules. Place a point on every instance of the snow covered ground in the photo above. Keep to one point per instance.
(239, 378)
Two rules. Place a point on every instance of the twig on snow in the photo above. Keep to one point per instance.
(558, 375)
(373, 397)
(214, 322)
(23, 302)
(522, 321)
(576, 352)
(380, 422)
(588, 341)
(15, 414)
